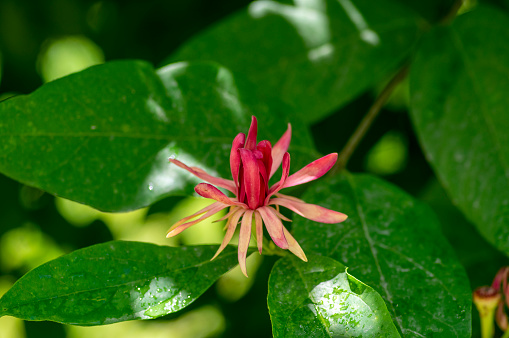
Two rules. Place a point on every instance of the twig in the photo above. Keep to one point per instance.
(449, 17)
(368, 120)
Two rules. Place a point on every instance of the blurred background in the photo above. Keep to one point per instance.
(44, 40)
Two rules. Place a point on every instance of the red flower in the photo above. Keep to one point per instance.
(252, 165)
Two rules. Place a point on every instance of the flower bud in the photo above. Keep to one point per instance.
(486, 299)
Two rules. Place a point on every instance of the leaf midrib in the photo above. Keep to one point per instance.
(197, 265)
(383, 282)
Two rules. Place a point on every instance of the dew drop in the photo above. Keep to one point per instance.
(93, 127)
(150, 187)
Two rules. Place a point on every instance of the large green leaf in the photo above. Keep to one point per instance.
(315, 55)
(114, 282)
(460, 109)
(392, 243)
(320, 299)
(103, 137)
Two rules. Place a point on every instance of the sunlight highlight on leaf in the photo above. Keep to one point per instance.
(366, 34)
(311, 24)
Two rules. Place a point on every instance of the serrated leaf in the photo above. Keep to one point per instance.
(319, 298)
(392, 243)
(102, 137)
(460, 109)
(114, 282)
(315, 55)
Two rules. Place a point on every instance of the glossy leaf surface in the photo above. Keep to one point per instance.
(392, 243)
(116, 281)
(103, 137)
(462, 118)
(315, 55)
(319, 298)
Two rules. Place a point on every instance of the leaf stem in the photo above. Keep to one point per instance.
(368, 120)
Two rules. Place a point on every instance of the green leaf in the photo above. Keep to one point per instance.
(393, 243)
(103, 136)
(315, 55)
(319, 298)
(459, 86)
(431, 10)
(114, 282)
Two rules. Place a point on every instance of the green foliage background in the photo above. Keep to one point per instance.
(235, 54)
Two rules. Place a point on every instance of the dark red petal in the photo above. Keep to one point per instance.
(266, 149)
(251, 179)
(264, 183)
(238, 142)
(251, 135)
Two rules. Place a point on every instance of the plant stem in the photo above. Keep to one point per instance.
(368, 120)
(370, 117)
(446, 20)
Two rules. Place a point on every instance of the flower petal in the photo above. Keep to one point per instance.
(244, 238)
(228, 215)
(196, 214)
(312, 171)
(259, 231)
(178, 228)
(291, 198)
(274, 227)
(232, 225)
(280, 149)
(209, 191)
(294, 246)
(251, 135)
(238, 142)
(266, 149)
(284, 176)
(280, 215)
(311, 211)
(200, 173)
(251, 177)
